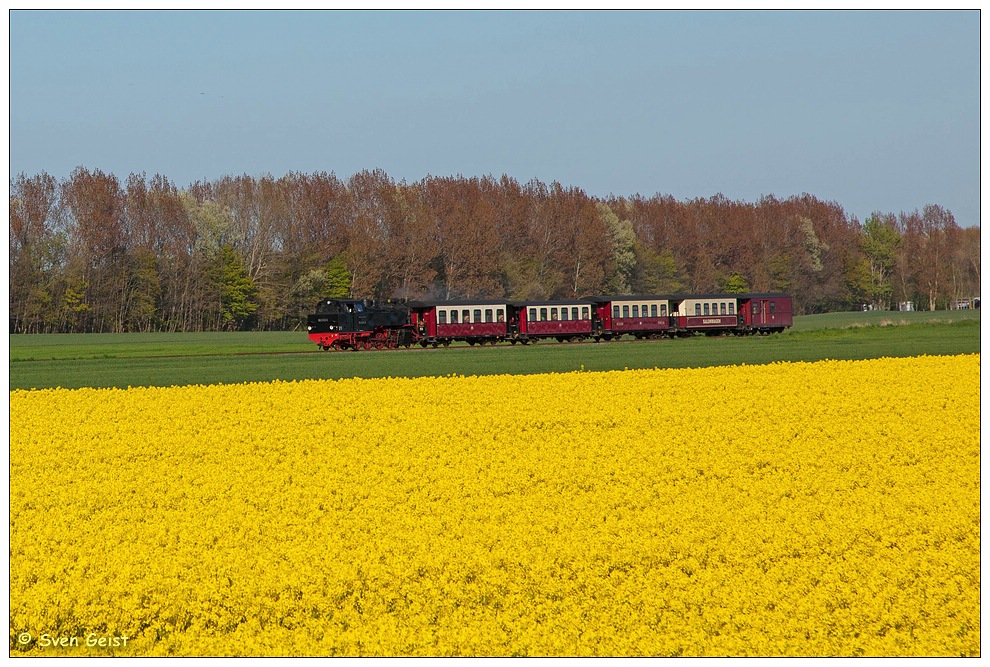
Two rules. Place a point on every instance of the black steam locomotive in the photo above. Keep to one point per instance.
(363, 324)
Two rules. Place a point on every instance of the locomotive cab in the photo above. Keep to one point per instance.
(355, 315)
(343, 315)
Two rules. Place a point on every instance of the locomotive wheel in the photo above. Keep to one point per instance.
(435, 344)
(325, 347)
(422, 343)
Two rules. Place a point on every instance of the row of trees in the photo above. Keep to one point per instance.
(92, 253)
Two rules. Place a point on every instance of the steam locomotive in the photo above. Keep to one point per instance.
(363, 324)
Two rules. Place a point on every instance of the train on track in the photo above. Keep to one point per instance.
(363, 324)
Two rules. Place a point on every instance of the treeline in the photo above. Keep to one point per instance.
(94, 254)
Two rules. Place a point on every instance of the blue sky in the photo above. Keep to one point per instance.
(873, 110)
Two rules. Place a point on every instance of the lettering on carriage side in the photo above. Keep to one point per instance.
(710, 321)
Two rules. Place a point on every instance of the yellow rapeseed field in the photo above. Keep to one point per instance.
(825, 509)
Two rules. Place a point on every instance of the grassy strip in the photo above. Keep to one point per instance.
(852, 342)
(135, 345)
(881, 318)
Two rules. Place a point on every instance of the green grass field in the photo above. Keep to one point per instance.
(881, 318)
(122, 360)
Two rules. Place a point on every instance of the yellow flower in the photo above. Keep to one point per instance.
(790, 509)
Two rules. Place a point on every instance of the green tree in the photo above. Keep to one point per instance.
(623, 240)
(814, 246)
(734, 283)
(234, 287)
(74, 302)
(880, 242)
(781, 274)
(337, 279)
(213, 222)
(522, 278)
(39, 311)
(332, 281)
(143, 291)
(656, 273)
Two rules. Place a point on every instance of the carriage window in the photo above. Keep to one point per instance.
(697, 309)
(465, 316)
(453, 317)
(500, 315)
(585, 313)
(615, 311)
(574, 313)
(773, 306)
(625, 311)
(488, 314)
(635, 311)
(543, 314)
(441, 317)
(477, 316)
(732, 309)
(563, 314)
(532, 314)
(721, 308)
(653, 310)
(756, 308)
(644, 310)
(706, 309)
(553, 314)
(663, 310)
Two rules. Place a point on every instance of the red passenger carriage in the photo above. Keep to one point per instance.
(475, 322)
(563, 320)
(642, 316)
(769, 312)
(706, 313)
